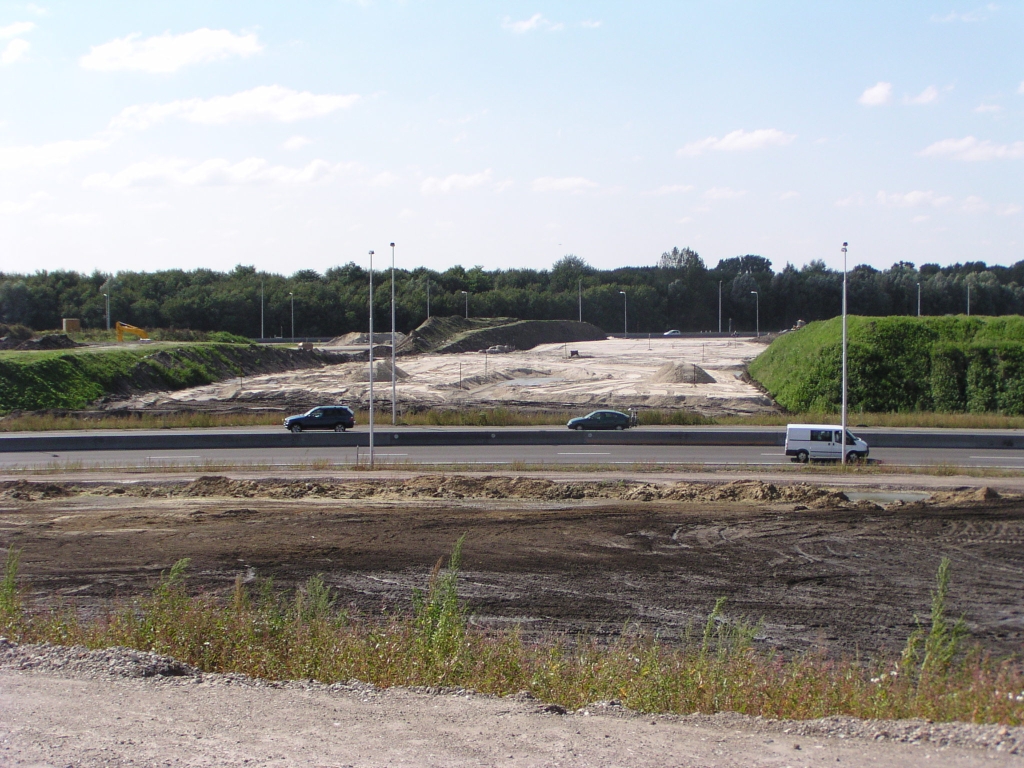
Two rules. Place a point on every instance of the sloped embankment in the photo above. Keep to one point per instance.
(456, 334)
(946, 364)
(77, 379)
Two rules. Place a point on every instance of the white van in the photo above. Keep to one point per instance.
(822, 441)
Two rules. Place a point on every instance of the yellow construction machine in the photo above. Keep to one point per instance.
(122, 328)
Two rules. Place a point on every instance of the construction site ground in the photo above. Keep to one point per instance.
(576, 555)
(697, 374)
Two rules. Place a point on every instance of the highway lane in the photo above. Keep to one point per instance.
(616, 455)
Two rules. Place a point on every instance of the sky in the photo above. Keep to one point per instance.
(143, 135)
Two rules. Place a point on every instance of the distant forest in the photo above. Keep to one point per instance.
(680, 292)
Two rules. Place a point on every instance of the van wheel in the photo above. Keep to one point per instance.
(619, 427)
(339, 428)
(802, 456)
(295, 427)
(852, 456)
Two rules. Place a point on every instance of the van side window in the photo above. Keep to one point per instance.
(821, 435)
(839, 436)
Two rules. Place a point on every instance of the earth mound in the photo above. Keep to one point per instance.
(682, 373)
(457, 334)
(358, 339)
(381, 372)
(49, 341)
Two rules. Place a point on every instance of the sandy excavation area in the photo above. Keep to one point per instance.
(702, 375)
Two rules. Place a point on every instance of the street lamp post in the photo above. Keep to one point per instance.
(291, 297)
(918, 299)
(428, 296)
(394, 396)
(466, 294)
(625, 325)
(106, 300)
(757, 313)
(579, 290)
(719, 306)
(371, 360)
(263, 333)
(842, 443)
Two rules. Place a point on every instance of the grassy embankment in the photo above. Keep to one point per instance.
(718, 668)
(71, 379)
(949, 365)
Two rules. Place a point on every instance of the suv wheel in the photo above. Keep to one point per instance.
(339, 428)
(295, 427)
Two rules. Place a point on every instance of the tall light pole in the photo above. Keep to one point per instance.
(918, 299)
(842, 443)
(106, 300)
(757, 313)
(719, 306)
(394, 396)
(625, 325)
(428, 296)
(579, 289)
(263, 333)
(466, 294)
(371, 359)
(291, 297)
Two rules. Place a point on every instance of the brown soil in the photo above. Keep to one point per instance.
(583, 556)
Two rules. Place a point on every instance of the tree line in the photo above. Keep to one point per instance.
(680, 292)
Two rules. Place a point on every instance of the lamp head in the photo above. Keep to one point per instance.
(371, 253)
(392, 245)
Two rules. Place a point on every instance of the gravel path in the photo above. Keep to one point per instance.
(71, 707)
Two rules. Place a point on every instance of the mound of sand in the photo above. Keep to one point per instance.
(356, 339)
(682, 373)
(381, 372)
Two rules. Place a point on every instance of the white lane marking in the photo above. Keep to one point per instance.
(606, 453)
(997, 458)
(773, 454)
(174, 457)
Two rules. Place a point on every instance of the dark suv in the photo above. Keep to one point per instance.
(336, 417)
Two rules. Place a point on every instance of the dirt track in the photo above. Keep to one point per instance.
(590, 557)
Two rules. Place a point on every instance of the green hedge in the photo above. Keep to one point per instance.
(948, 364)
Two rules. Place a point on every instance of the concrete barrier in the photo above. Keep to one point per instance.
(211, 440)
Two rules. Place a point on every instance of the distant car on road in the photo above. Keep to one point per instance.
(601, 420)
(336, 417)
(673, 332)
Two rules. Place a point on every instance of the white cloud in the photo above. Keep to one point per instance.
(43, 155)
(912, 199)
(214, 172)
(1020, 89)
(168, 53)
(296, 142)
(572, 184)
(37, 9)
(590, 24)
(14, 50)
(455, 182)
(970, 149)
(927, 96)
(537, 21)
(16, 29)
(724, 193)
(383, 179)
(672, 189)
(846, 202)
(968, 17)
(974, 204)
(738, 141)
(266, 101)
(8, 208)
(1011, 209)
(921, 219)
(981, 108)
(790, 195)
(878, 94)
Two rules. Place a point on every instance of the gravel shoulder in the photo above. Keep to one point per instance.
(71, 707)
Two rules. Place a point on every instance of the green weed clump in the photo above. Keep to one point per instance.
(266, 633)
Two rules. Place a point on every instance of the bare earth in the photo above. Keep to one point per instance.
(613, 373)
(577, 555)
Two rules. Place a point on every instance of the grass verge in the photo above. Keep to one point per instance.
(268, 634)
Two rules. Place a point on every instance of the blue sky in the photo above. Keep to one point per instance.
(144, 135)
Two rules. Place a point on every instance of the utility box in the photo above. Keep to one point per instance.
(71, 325)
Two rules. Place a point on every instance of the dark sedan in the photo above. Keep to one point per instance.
(601, 420)
(336, 417)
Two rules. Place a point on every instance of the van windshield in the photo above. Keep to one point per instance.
(850, 439)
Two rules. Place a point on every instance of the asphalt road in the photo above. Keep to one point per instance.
(620, 455)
